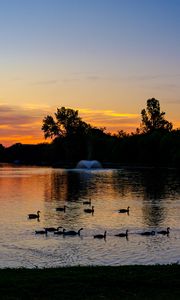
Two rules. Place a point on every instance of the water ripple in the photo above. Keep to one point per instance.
(152, 207)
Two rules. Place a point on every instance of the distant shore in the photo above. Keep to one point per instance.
(92, 283)
(72, 165)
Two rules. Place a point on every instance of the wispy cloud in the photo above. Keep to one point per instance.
(177, 101)
(113, 121)
(70, 78)
(45, 82)
(169, 86)
(86, 76)
(22, 124)
(96, 77)
(150, 77)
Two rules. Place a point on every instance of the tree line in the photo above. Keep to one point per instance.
(154, 143)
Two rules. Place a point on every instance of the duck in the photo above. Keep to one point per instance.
(34, 216)
(41, 231)
(58, 232)
(61, 208)
(147, 233)
(72, 232)
(100, 236)
(122, 234)
(87, 202)
(164, 231)
(52, 229)
(89, 210)
(124, 210)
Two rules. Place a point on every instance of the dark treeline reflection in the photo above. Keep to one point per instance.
(153, 186)
(156, 186)
(69, 186)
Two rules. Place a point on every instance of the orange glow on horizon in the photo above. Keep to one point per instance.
(8, 141)
(23, 124)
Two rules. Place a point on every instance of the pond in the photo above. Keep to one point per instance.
(153, 196)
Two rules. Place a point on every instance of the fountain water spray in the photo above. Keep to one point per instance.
(88, 164)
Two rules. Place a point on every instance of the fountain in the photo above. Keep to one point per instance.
(88, 164)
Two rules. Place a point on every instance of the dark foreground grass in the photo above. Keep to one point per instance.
(92, 283)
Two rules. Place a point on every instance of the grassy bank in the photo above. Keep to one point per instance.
(92, 283)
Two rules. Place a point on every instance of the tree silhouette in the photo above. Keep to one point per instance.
(67, 123)
(153, 119)
(50, 127)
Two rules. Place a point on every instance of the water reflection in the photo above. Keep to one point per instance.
(155, 186)
(71, 188)
(68, 186)
(153, 196)
(157, 190)
(113, 188)
(155, 183)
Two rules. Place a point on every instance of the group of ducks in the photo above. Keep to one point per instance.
(86, 210)
(57, 231)
(91, 210)
(63, 209)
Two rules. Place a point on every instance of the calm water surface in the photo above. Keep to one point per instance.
(153, 196)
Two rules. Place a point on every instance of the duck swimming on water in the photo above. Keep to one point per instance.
(89, 210)
(124, 210)
(100, 236)
(52, 229)
(34, 216)
(122, 234)
(59, 232)
(87, 202)
(164, 231)
(72, 232)
(147, 233)
(41, 232)
(61, 208)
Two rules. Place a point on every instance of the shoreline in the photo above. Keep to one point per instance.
(105, 165)
(92, 282)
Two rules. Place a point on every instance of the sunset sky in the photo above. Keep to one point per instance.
(102, 57)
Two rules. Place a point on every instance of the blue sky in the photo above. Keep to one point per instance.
(96, 56)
